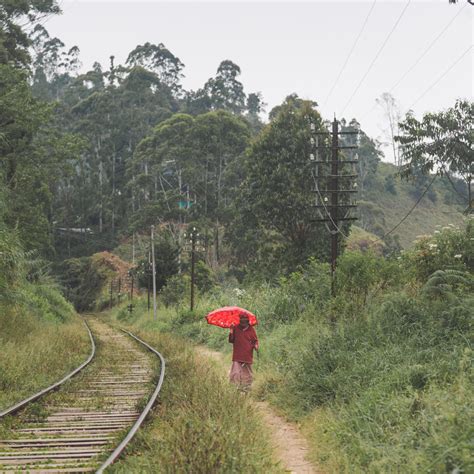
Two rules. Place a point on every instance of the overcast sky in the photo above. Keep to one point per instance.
(286, 47)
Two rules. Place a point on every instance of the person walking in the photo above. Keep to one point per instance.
(245, 341)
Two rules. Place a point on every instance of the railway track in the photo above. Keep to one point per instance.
(84, 426)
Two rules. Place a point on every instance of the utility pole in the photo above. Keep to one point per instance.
(148, 277)
(193, 261)
(334, 202)
(133, 249)
(331, 200)
(153, 269)
(111, 293)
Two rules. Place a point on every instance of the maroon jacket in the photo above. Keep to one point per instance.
(245, 341)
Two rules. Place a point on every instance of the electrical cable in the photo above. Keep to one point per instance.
(376, 57)
(407, 214)
(427, 49)
(423, 54)
(325, 208)
(350, 53)
(441, 77)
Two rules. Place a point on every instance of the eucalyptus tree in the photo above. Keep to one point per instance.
(14, 17)
(114, 111)
(392, 116)
(220, 140)
(161, 61)
(53, 65)
(160, 169)
(224, 91)
(255, 106)
(192, 161)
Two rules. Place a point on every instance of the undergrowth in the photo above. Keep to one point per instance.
(381, 377)
(201, 424)
(41, 338)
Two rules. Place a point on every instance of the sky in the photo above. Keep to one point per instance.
(419, 51)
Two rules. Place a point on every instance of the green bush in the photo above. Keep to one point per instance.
(176, 291)
(448, 248)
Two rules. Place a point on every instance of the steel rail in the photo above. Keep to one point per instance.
(24, 402)
(119, 449)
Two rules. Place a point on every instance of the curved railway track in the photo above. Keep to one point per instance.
(84, 426)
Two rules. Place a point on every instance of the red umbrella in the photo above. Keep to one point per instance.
(229, 315)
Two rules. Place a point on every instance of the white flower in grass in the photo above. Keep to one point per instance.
(437, 232)
(458, 255)
(432, 246)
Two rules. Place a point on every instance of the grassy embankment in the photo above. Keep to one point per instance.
(41, 337)
(380, 377)
(383, 206)
(201, 424)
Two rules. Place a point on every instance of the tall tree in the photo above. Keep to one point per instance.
(392, 116)
(14, 41)
(441, 142)
(224, 91)
(53, 65)
(274, 222)
(161, 61)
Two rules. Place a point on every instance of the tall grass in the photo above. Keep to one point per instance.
(41, 338)
(201, 424)
(35, 353)
(381, 377)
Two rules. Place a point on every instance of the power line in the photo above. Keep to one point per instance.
(428, 48)
(326, 209)
(376, 56)
(350, 53)
(423, 54)
(407, 214)
(441, 77)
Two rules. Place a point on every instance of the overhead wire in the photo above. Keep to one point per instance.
(441, 77)
(326, 209)
(417, 61)
(350, 53)
(407, 214)
(376, 56)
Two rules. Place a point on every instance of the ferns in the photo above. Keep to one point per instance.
(448, 284)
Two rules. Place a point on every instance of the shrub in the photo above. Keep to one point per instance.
(176, 291)
(448, 248)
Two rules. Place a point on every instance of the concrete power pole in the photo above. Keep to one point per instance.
(153, 265)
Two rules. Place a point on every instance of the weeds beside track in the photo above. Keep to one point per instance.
(76, 428)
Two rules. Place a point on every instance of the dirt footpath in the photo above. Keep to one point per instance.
(290, 446)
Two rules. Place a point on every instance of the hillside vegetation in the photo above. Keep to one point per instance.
(41, 337)
(387, 199)
(201, 424)
(381, 376)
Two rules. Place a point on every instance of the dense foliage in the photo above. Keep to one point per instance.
(380, 376)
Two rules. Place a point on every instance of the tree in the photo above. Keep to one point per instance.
(53, 65)
(196, 157)
(161, 61)
(255, 106)
(441, 142)
(274, 224)
(14, 41)
(392, 114)
(224, 91)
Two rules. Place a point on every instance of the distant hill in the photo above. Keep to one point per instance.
(386, 199)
